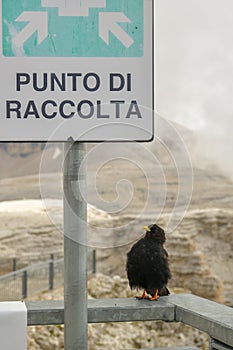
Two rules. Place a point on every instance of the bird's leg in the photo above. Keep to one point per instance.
(156, 296)
(143, 296)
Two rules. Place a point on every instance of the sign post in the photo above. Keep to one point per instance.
(75, 248)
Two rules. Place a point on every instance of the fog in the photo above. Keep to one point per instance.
(194, 73)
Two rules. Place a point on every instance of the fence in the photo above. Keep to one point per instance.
(208, 316)
(8, 264)
(48, 275)
(30, 280)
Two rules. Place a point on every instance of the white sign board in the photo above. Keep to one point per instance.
(76, 68)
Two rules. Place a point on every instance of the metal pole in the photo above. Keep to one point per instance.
(51, 272)
(24, 285)
(75, 250)
(94, 261)
(14, 266)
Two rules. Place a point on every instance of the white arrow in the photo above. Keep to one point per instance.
(74, 7)
(38, 22)
(108, 22)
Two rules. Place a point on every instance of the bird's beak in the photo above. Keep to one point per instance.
(146, 228)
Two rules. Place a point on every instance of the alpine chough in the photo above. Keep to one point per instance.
(147, 264)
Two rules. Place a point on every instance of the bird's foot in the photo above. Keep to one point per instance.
(155, 296)
(143, 296)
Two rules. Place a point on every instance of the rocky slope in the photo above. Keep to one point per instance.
(195, 248)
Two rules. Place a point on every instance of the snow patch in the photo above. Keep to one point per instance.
(49, 205)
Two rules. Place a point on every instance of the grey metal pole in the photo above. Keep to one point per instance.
(75, 250)
(24, 284)
(14, 264)
(51, 272)
(94, 261)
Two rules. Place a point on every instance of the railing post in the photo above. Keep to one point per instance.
(51, 272)
(14, 266)
(24, 284)
(94, 261)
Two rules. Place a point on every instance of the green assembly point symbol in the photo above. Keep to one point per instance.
(73, 28)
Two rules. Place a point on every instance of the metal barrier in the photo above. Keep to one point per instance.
(30, 280)
(208, 316)
(47, 275)
(12, 264)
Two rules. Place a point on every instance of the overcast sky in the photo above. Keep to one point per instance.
(194, 70)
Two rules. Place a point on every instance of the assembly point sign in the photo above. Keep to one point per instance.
(76, 68)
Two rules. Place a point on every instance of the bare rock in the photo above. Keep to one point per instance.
(190, 268)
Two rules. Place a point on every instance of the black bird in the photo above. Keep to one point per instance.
(147, 264)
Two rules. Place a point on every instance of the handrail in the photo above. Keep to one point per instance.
(208, 316)
(29, 268)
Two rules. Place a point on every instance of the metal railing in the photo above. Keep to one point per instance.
(210, 317)
(47, 275)
(33, 279)
(11, 264)
(213, 318)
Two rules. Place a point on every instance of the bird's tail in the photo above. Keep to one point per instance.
(164, 291)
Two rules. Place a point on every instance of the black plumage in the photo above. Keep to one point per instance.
(147, 264)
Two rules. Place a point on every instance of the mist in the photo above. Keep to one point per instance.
(194, 74)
